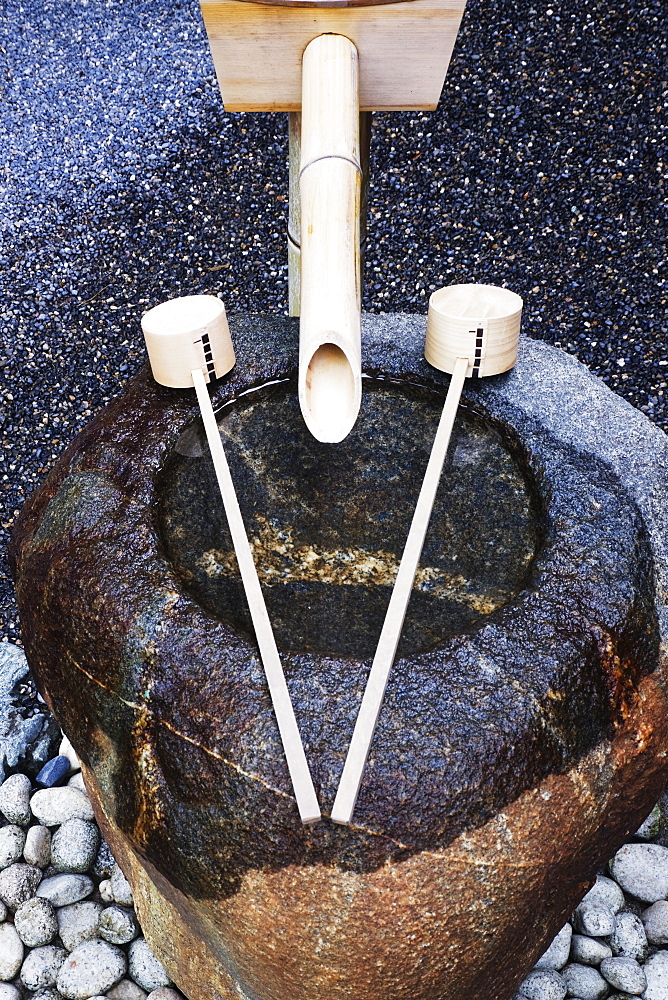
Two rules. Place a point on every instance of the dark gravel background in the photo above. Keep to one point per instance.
(124, 182)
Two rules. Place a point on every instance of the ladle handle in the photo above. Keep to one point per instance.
(307, 802)
(358, 751)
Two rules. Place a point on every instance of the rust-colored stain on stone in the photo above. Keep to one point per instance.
(513, 755)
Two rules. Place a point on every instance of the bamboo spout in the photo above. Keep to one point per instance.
(330, 380)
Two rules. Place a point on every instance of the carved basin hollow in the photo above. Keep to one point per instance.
(522, 736)
(328, 523)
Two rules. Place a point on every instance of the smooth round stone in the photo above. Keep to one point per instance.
(37, 849)
(67, 750)
(11, 952)
(118, 925)
(15, 799)
(35, 921)
(629, 938)
(78, 922)
(104, 889)
(594, 919)
(624, 974)
(104, 862)
(651, 827)
(12, 840)
(588, 950)
(543, 984)
(655, 922)
(91, 968)
(604, 892)
(50, 993)
(9, 992)
(656, 973)
(53, 806)
(126, 990)
(556, 956)
(165, 993)
(3, 911)
(64, 889)
(642, 871)
(120, 887)
(41, 966)
(54, 772)
(77, 781)
(584, 982)
(145, 968)
(18, 883)
(74, 846)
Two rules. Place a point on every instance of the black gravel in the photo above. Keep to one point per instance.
(124, 182)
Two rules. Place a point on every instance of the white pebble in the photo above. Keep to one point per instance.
(11, 952)
(77, 781)
(604, 892)
(67, 750)
(651, 827)
(118, 925)
(165, 993)
(15, 799)
(53, 806)
(589, 950)
(64, 889)
(9, 992)
(126, 990)
(104, 889)
(656, 973)
(655, 921)
(144, 967)
(18, 883)
(543, 984)
(12, 840)
(78, 922)
(93, 967)
(120, 887)
(584, 982)
(37, 850)
(3, 911)
(556, 956)
(594, 919)
(642, 871)
(41, 967)
(628, 938)
(74, 846)
(624, 974)
(35, 922)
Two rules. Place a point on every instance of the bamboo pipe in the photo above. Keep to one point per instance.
(330, 377)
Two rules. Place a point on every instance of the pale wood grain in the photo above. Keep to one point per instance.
(302, 783)
(404, 50)
(330, 377)
(182, 334)
(374, 692)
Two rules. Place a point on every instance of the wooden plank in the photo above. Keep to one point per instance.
(404, 50)
(358, 751)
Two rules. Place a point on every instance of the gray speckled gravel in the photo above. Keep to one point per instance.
(125, 181)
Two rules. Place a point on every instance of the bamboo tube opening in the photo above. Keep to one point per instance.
(330, 403)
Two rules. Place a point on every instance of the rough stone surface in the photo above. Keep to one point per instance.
(15, 799)
(605, 892)
(556, 956)
(78, 922)
(74, 846)
(544, 984)
(164, 993)
(126, 990)
(629, 938)
(584, 982)
(41, 967)
(642, 870)
(11, 952)
(656, 972)
(118, 925)
(588, 950)
(119, 887)
(26, 742)
(37, 850)
(18, 883)
(35, 921)
(594, 919)
(624, 974)
(586, 677)
(91, 968)
(12, 840)
(655, 921)
(9, 992)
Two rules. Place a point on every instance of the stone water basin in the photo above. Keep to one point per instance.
(522, 735)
